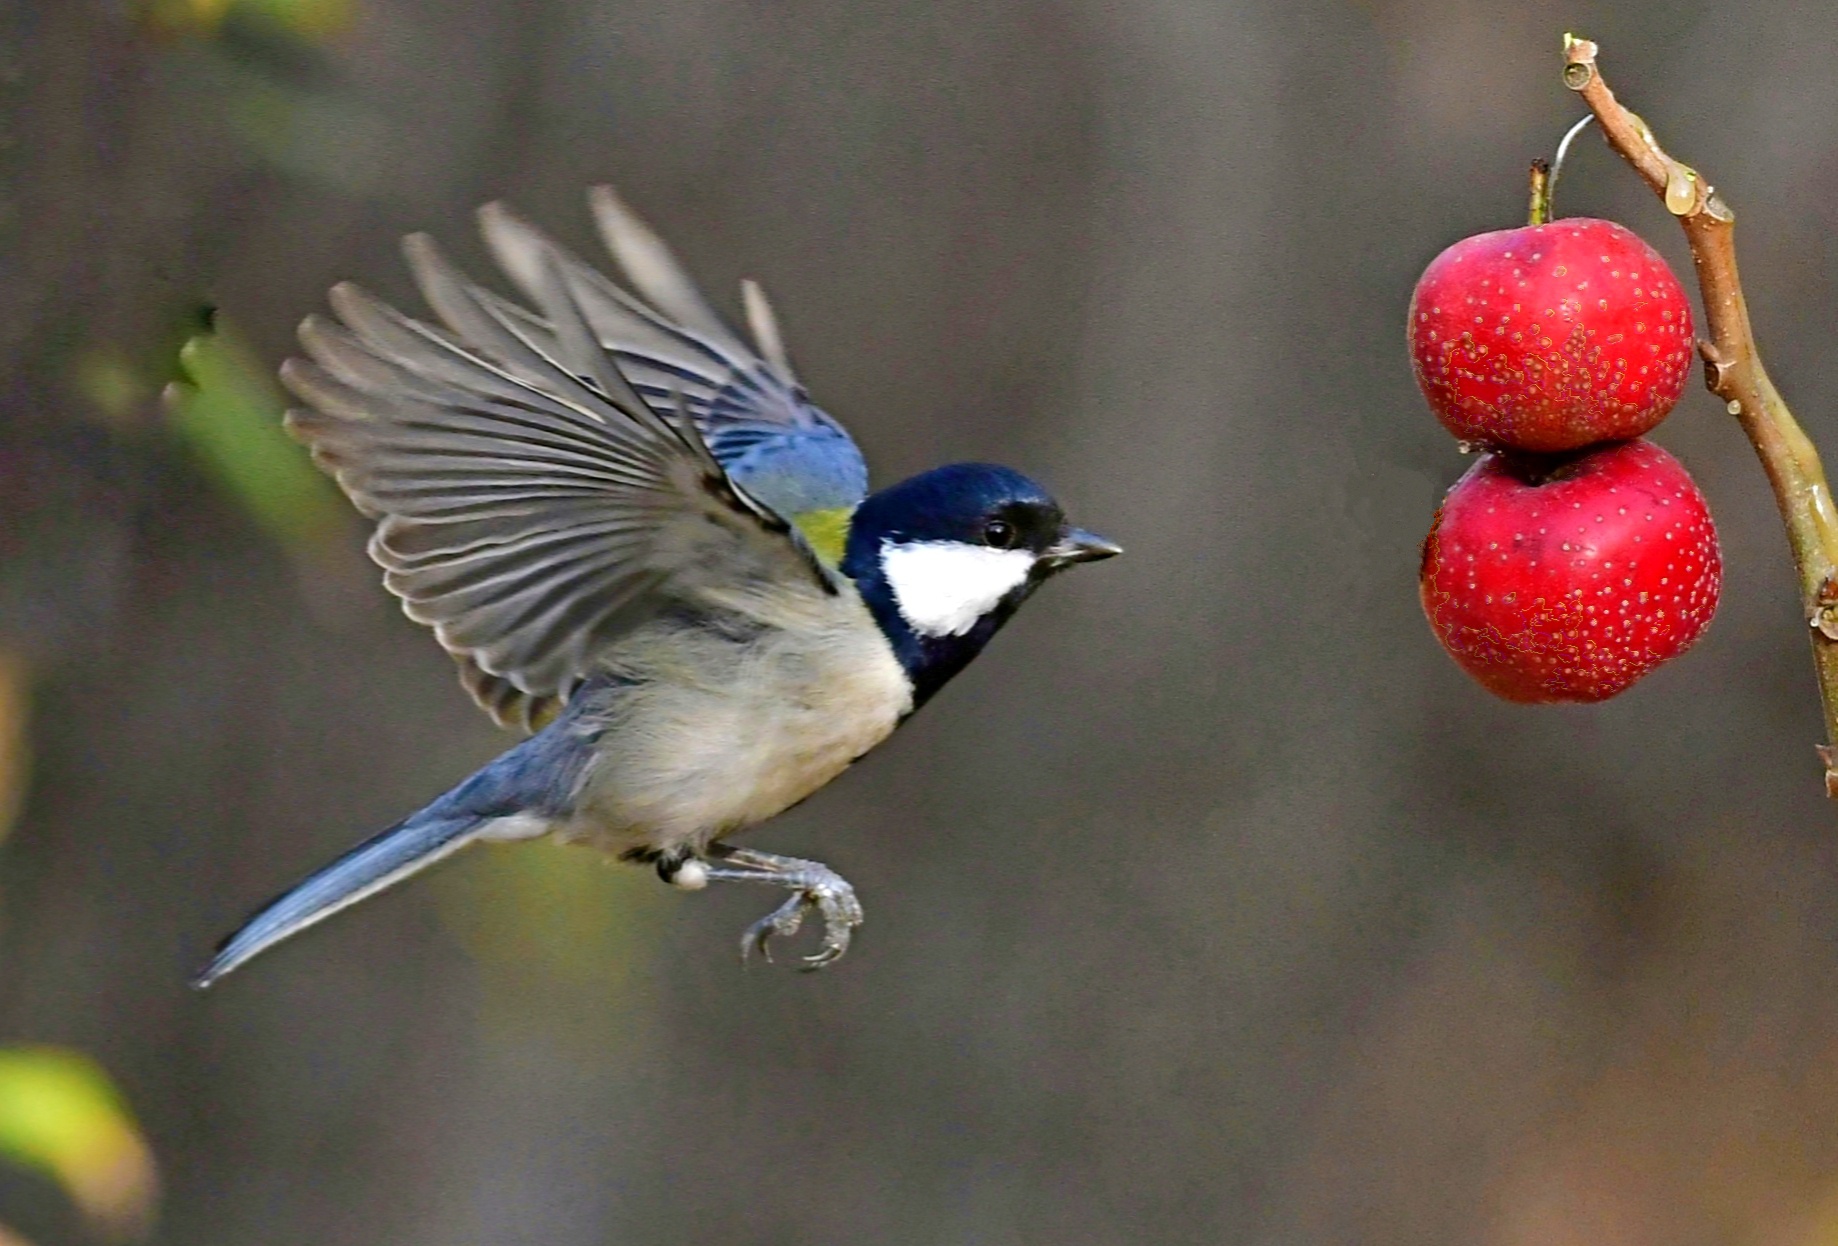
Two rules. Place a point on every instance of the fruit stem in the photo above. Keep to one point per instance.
(1733, 371)
(1540, 210)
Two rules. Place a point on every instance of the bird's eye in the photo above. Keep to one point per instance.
(1000, 534)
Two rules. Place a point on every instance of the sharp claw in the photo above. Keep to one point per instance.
(754, 939)
(829, 955)
(841, 913)
(784, 920)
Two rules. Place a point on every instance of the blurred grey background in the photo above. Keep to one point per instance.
(1212, 905)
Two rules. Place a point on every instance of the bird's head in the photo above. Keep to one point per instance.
(944, 558)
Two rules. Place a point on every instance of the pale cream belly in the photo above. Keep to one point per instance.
(686, 763)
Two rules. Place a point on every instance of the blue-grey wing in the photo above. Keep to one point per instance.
(532, 508)
(673, 347)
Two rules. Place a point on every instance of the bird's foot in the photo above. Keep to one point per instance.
(813, 886)
(841, 911)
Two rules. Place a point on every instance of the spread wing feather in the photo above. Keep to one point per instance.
(531, 505)
(673, 347)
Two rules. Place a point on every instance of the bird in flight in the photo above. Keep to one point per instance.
(643, 545)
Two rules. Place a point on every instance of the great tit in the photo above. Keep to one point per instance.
(639, 540)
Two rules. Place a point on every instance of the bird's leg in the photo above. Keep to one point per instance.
(813, 886)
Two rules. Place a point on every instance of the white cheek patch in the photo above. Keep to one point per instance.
(944, 587)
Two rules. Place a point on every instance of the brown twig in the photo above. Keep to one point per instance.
(1538, 211)
(1733, 371)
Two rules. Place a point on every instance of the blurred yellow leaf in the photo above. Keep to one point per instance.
(230, 412)
(60, 1114)
(15, 741)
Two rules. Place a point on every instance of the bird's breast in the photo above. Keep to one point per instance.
(715, 729)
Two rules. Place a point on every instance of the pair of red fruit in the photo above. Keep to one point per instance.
(1574, 556)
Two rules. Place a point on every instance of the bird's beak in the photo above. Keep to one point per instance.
(1079, 545)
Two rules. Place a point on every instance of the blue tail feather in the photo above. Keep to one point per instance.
(404, 849)
(512, 797)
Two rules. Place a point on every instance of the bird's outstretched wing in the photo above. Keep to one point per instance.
(530, 506)
(669, 342)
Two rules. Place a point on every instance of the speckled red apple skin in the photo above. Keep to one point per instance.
(1551, 337)
(1573, 588)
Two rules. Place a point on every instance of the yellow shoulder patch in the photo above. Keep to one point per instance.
(827, 531)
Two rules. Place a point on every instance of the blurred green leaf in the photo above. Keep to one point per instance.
(313, 19)
(60, 1114)
(119, 382)
(230, 413)
(309, 19)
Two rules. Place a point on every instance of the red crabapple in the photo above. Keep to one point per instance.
(1568, 579)
(1550, 337)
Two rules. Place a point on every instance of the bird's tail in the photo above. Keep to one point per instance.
(383, 861)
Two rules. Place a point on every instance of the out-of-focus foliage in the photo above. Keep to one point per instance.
(230, 413)
(108, 380)
(267, 65)
(119, 383)
(15, 744)
(60, 1114)
(552, 927)
(310, 18)
(316, 137)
